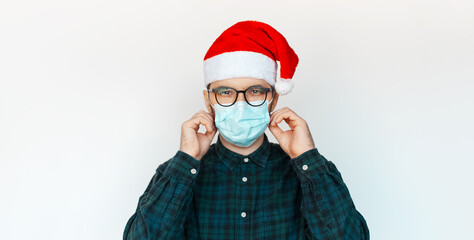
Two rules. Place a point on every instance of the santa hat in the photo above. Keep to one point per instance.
(251, 49)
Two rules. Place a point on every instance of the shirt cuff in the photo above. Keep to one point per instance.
(183, 166)
(309, 164)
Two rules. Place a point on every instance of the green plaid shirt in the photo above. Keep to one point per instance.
(264, 195)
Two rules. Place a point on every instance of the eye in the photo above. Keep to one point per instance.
(224, 91)
(257, 90)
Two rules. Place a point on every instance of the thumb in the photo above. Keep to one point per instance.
(276, 131)
(211, 134)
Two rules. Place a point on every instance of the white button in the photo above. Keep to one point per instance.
(244, 179)
(243, 214)
(246, 159)
(305, 167)
(193, 171)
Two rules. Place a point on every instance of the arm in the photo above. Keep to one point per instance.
(163, 207)
(327, 207)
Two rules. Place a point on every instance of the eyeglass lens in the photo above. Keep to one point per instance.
(254, 95)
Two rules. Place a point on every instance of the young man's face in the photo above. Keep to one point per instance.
(239, 84)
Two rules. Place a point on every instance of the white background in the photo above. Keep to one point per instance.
(93, 94)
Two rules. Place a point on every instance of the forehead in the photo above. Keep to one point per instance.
(239, 83)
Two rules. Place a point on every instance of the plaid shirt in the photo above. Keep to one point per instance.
(264, 195)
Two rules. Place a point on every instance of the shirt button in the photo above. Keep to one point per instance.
(246, 159)
(193, 171)
(244, 179)
(243, 214)
(305, 167)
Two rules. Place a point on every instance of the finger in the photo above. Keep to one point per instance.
(209, 124)
(275, 117)
(200, 112)
(211, 134)
(211, 119)
(290, 118)
(195, 122)
(207, 115)
(274, 113)
(280, 111)
(276, 131)
(196, 114)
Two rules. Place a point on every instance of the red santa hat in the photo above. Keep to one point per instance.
(251, 49)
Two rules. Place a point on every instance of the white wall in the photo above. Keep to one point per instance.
(93, 94)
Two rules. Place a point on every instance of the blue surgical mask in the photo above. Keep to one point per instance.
(241, 124)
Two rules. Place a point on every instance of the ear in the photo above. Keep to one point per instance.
(206, 101)
(274, 102)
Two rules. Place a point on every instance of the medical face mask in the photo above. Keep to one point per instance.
(241, 124)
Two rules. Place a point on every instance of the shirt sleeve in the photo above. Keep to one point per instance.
(163, 207)
(327, 207)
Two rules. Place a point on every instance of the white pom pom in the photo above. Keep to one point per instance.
(283, 87)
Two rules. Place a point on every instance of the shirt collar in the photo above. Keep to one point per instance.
(230, 158)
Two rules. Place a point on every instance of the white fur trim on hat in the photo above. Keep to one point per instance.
(283, 86)
(240, 64)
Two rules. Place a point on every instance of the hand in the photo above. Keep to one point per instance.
(295, 141)
(194, 143)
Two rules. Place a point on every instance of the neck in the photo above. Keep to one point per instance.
(242, 150)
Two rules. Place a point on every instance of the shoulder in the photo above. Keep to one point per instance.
(211, 152)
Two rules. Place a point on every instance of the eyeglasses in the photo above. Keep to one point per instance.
(254, 96)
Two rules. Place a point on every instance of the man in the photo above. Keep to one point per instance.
(243, 186)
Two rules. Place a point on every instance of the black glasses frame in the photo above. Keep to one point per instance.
(214, 90)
